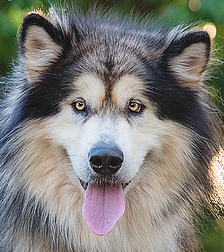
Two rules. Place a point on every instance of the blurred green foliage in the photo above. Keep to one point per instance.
(172, 12)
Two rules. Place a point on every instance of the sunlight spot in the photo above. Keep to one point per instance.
(194, 5)
(211, 29)
(217, 175)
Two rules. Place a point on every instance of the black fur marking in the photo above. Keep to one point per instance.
(39, 103)
(41, 99)
(174, 101)
(177, 103)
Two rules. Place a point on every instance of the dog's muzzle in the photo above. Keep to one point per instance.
(105, 160)
(104, 202)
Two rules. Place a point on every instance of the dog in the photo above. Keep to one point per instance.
(107, 136)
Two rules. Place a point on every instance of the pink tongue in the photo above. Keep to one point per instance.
(103, 207)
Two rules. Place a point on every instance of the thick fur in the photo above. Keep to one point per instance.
(168, 146)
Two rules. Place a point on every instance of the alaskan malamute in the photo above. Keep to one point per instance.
(107, 136)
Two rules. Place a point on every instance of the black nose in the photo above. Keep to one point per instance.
(106, 159)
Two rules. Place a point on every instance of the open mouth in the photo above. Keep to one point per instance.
(103, 205)
(85, 184)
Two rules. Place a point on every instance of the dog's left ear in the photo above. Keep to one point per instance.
(188, 57)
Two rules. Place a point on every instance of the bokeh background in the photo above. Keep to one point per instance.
(210, 14)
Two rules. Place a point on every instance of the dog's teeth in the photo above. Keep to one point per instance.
(124, 185)
(83, 184)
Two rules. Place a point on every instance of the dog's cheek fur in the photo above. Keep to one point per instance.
(161, 182)
(52, 192)
(168, 152)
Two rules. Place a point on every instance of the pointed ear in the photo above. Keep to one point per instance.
(40, 44)
(188, 58)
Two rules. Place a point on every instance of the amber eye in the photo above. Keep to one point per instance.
(135, 106)
(79, 105)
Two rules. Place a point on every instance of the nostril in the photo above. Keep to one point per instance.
(115, 162)
(96, 161)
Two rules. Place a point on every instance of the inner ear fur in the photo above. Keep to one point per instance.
(188, 58)
(38, 44)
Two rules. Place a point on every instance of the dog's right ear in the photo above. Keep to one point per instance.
(40, 44)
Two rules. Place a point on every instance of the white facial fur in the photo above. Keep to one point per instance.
(109, 124)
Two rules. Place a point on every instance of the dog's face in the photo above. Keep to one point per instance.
(107, 133)
(108, 136)
(118, 106)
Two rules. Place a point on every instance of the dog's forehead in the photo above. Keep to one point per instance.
(90, 88)
(128, 87)
(96, 91)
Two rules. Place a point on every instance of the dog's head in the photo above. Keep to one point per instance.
(120, 102)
